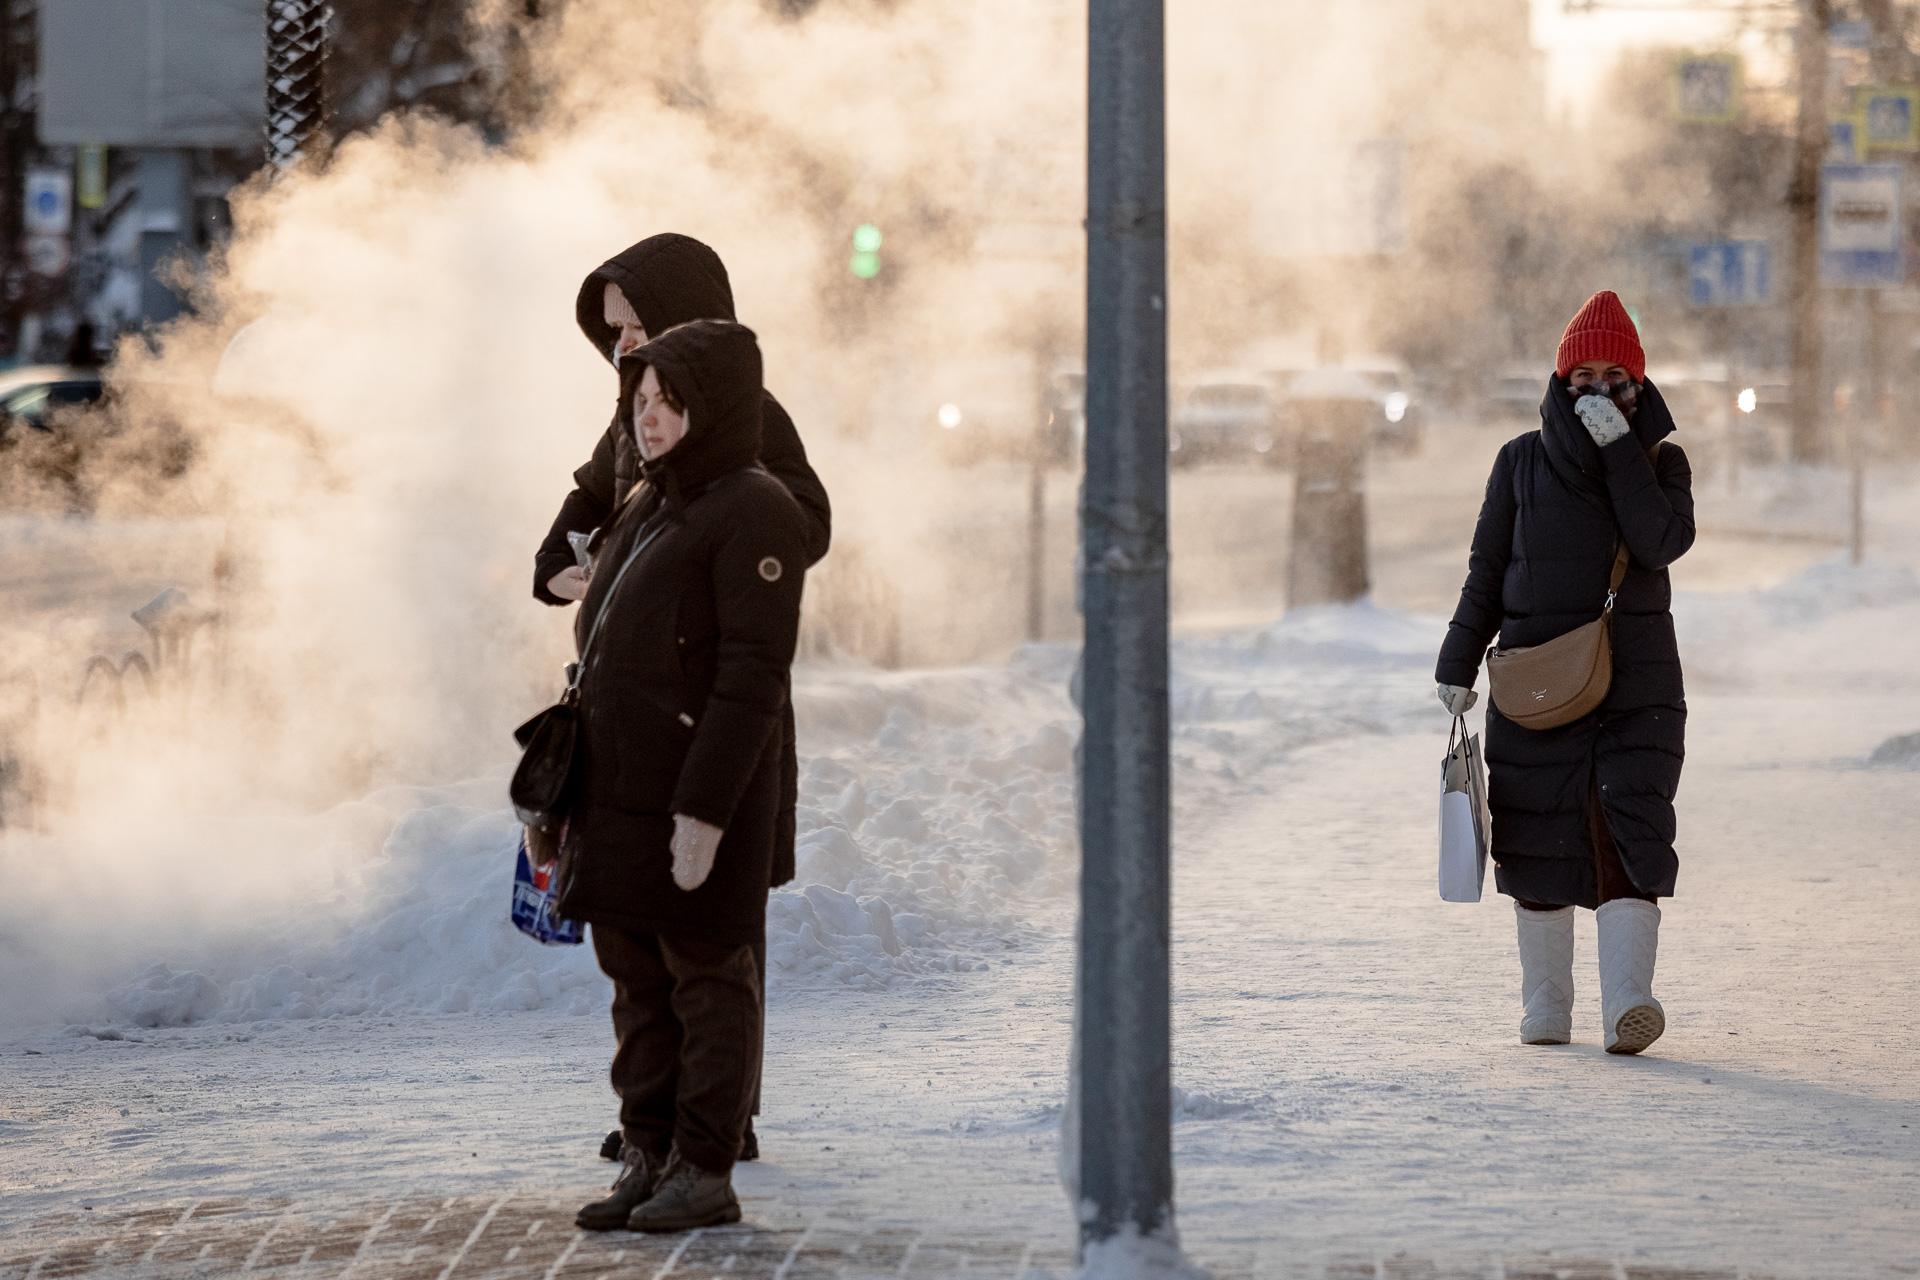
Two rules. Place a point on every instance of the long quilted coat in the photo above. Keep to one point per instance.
(1543, 548)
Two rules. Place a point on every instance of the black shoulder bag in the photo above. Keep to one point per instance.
(544, 777)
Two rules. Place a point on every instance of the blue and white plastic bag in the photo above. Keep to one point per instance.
(534, 901)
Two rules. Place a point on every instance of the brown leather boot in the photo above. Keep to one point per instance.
(688, 1197)
(640, 1175)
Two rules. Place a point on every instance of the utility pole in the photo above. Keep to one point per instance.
(1122, 1156)
(296, 77)
(1808, 440)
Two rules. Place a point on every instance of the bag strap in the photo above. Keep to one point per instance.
(577, 668)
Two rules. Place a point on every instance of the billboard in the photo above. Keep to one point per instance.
(137, 73)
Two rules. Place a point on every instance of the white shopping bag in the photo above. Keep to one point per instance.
(1463, 817)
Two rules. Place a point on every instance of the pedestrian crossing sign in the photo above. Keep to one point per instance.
(1706, 88)
(1889, 119)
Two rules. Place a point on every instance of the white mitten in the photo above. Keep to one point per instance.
(1456, 700)
(694, 845)
(1602, 418)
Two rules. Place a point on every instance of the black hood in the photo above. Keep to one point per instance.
(713, 366)
(669, 279)
(1572, 451)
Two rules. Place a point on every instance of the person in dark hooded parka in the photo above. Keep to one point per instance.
(688, 630)
(648, 288)
(1583, 814)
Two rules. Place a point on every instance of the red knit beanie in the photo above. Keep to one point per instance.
(1602, 330)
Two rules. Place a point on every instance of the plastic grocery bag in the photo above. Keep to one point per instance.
(534, 901)
(1463, 817)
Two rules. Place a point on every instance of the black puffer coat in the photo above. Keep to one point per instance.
(671, 279)
(684, 690)
(1542, 553)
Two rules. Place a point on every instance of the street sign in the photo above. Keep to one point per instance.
(1891, 121)
(1843, 142)
(90, 172)
(1706, 88)
(49, 204)
(48, 255)
(1850, 35)
(1862, 243)
(1731, 273)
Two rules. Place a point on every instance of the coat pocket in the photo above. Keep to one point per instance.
(647, 738)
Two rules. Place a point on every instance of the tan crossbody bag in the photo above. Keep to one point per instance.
(1548, 685)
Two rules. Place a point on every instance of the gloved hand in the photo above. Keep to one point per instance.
(694, 845)
(1602, 419)
(1456, 700)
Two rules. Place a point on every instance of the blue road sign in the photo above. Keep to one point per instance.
(1730, 273)
(1843, 142)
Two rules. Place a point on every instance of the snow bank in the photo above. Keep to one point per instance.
(936, 827)
(935, 822)
(1835, 625)
(936, 837)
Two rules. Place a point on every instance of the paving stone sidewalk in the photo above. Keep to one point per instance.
(478, 1238)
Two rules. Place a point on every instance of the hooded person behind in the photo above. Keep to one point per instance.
(688, 638)
(662, 281)
(646, 289)
(1583, 814)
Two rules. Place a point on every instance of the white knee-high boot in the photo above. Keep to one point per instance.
(1546, 975)
(1629, 942)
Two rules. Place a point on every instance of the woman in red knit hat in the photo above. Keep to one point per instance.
(1583, 812)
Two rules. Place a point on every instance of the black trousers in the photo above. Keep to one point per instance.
(687, 1017)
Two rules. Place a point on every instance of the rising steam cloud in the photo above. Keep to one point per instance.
(387, 394)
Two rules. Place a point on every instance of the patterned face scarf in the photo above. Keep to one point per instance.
(1624, 392)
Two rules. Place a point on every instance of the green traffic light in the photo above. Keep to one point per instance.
(866, 238)
(866, 265)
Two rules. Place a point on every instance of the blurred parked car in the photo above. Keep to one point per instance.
(1400, 420)
(29, 397)
(1220, 420)
(1006, 419)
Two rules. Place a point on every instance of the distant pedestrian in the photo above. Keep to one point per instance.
(1583, 813)
(694, 611)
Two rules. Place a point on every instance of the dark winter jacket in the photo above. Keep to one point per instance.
(683, 694)
(1556, 504)
(671, 279)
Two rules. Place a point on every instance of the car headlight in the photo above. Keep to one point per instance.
(1396, 406)
(1749, 400)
